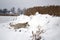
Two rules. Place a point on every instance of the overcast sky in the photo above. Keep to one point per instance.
(26, 3)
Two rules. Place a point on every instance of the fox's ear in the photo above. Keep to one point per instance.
(26, 22)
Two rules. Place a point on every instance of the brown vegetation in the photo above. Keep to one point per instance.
(51, 10)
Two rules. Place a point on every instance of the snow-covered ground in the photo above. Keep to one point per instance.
(49, 24)
(4, 19)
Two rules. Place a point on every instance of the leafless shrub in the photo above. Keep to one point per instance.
(37, 35)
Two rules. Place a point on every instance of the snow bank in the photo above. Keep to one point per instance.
(50, 25)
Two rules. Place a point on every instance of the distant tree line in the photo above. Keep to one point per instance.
(3, 10)
(12, 11)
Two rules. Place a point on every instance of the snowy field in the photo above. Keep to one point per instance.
(49, 24)
(4, 19)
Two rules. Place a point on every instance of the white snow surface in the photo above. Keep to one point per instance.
(50, 24)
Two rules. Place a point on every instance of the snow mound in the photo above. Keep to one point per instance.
(48, 27)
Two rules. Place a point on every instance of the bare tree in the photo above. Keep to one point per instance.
(24, 10)
(5, 10)
(13, 9)
(19, 11)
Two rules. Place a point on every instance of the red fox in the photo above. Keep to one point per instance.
(19, 25)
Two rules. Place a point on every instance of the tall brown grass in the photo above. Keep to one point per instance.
(51, 10)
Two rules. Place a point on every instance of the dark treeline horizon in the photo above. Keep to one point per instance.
(13, 10)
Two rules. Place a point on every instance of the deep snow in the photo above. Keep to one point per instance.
(50, 25)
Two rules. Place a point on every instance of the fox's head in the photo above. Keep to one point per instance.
(27, 23)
